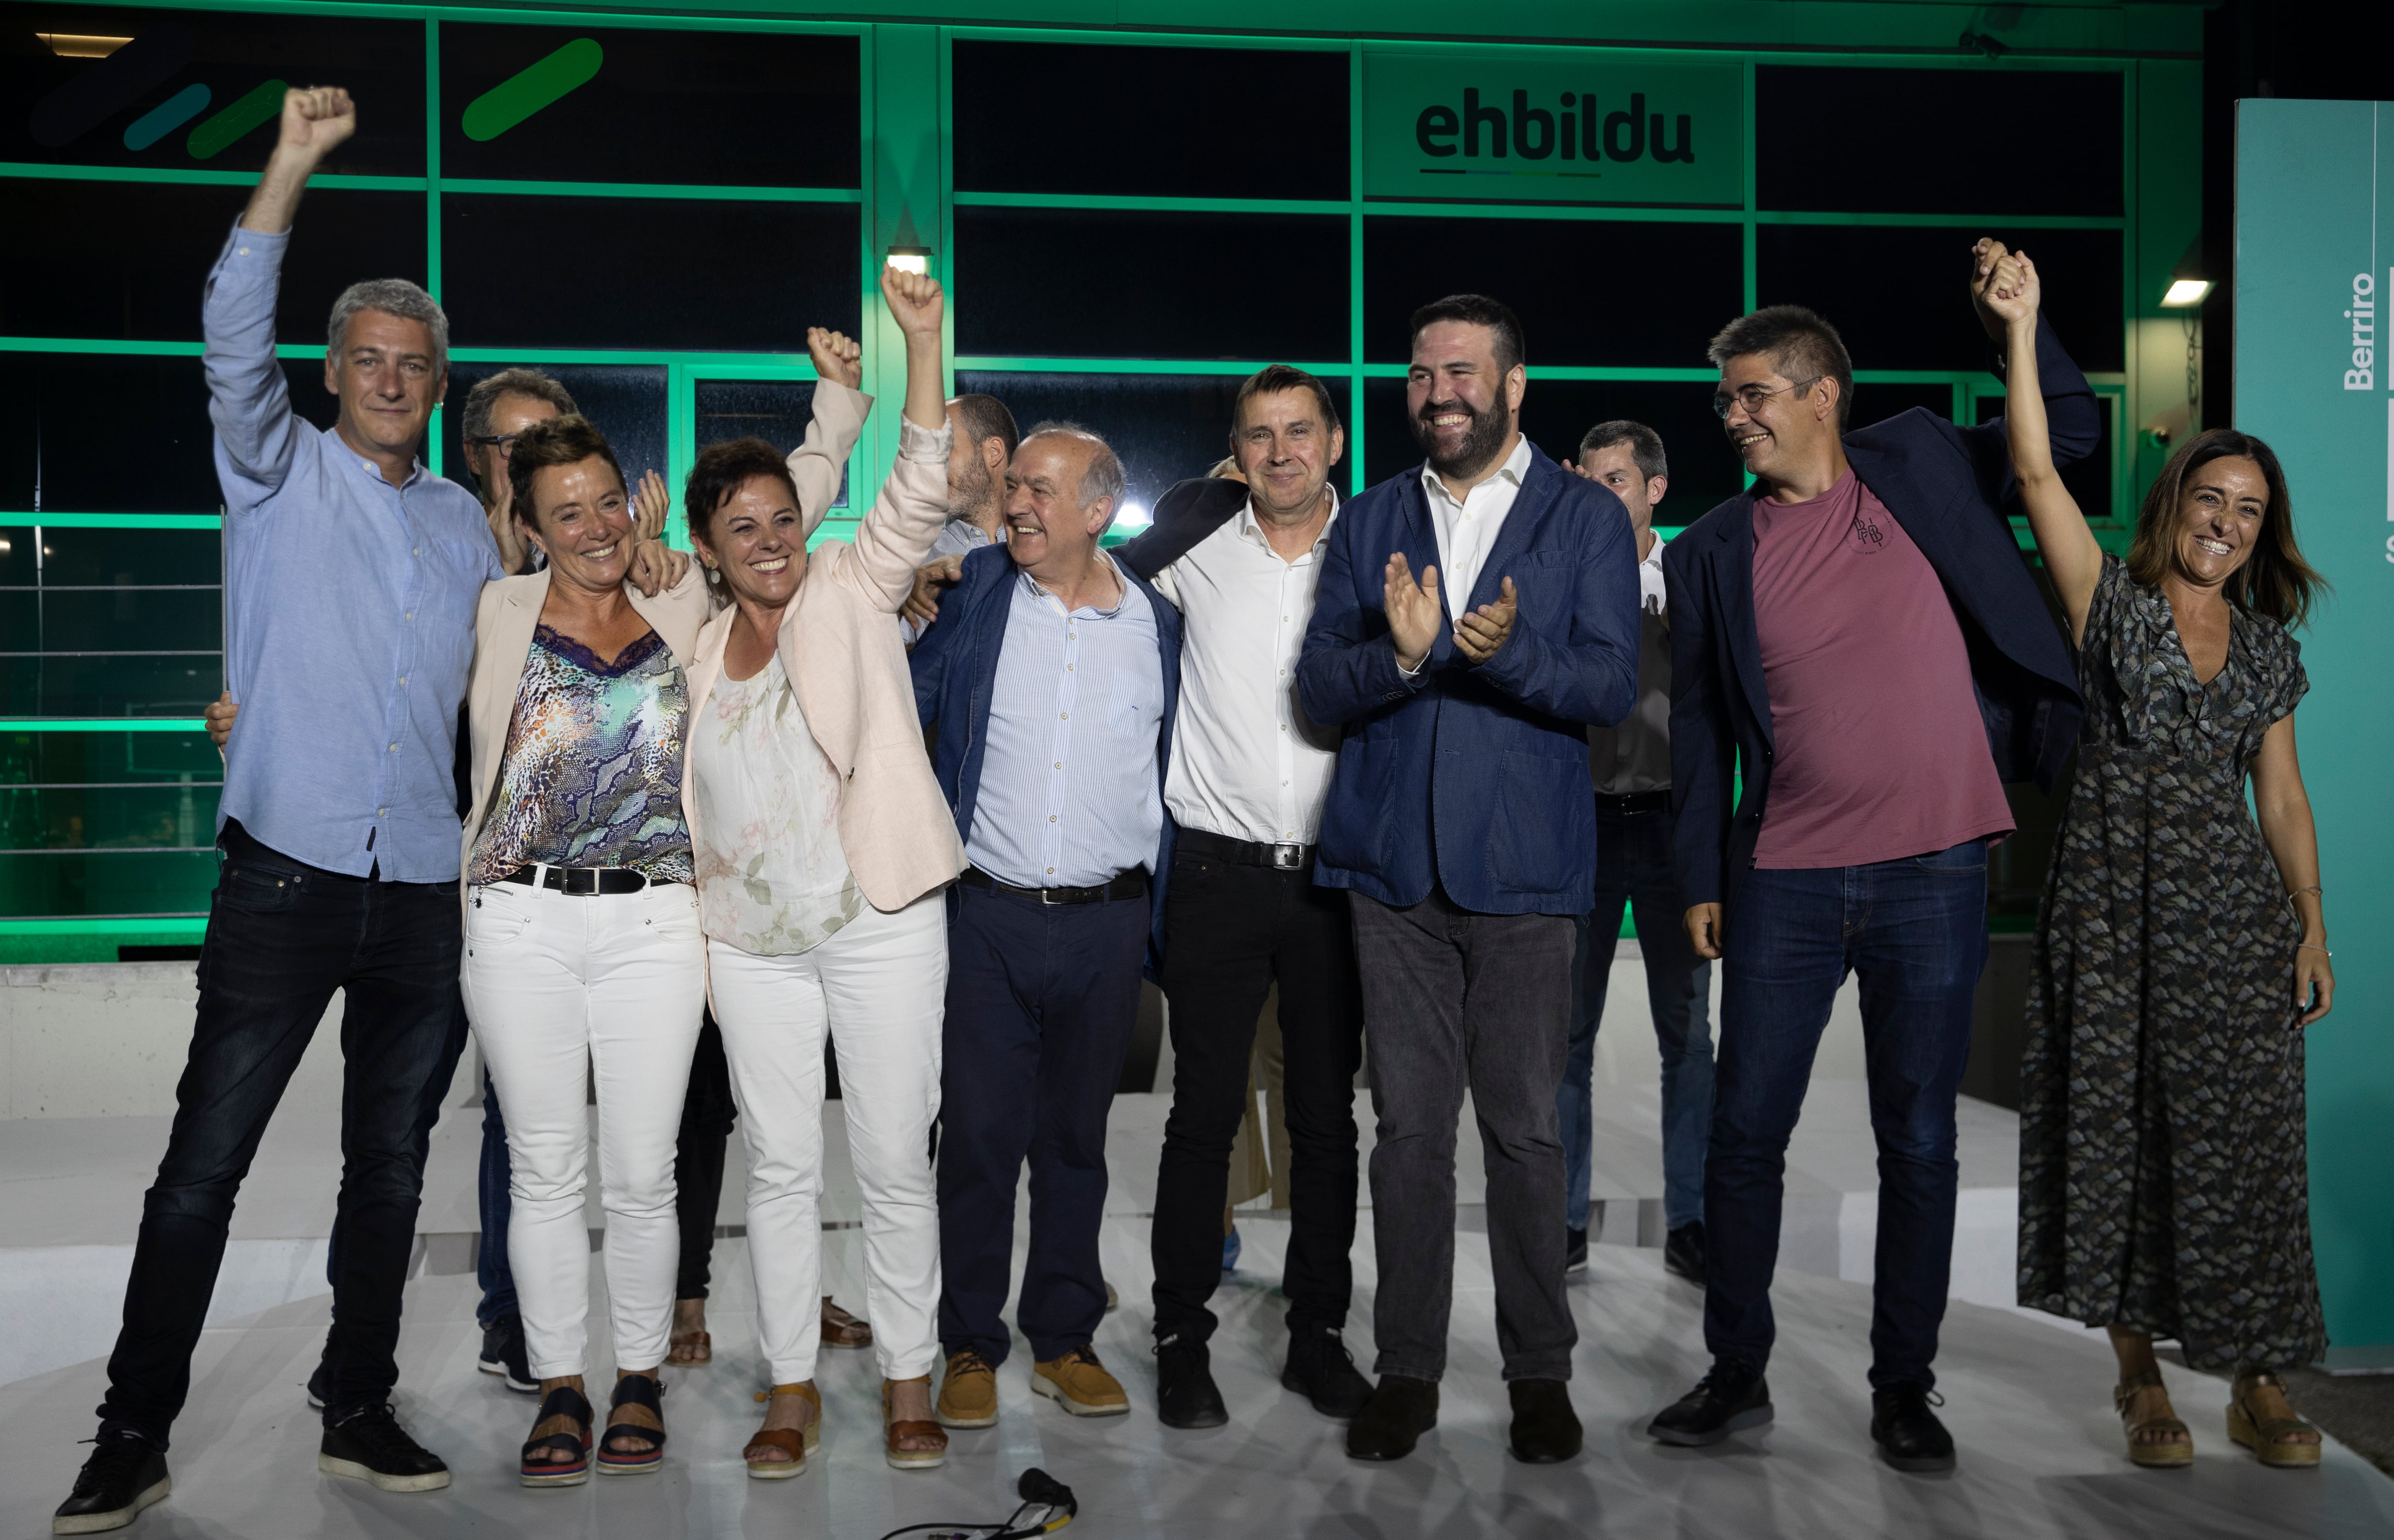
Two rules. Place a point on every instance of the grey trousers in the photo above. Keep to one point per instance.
(1452, 1000)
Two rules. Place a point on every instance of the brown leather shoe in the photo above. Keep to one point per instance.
(969, 1393)
(1077, 1382)
(894, 1430)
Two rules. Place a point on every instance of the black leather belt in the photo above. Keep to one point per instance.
(1128, 885)
(1634, 802)
(579, 882)
(1288, 857)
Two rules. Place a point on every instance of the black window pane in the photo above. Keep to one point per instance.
(147, 686)
(107, 434)
(1086, 283)
(120, 617)
(1588, 292)
(1194, 123)
(1897, 295)
(1165, 427)
(114, 882)
(626, 402)
(1886, 141)
(125, 260)
(138, 558)
(1556, 413)
(2089, 480)
(613, 104)
(1875, 403)
(108, 818)
(194, 89)
(774, 410)
(702, 274)
(102, 758)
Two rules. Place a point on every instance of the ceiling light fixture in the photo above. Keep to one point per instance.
(82, 45)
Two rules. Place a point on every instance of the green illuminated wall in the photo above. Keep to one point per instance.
(641, 218)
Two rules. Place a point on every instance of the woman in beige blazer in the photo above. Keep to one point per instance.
(822, 845)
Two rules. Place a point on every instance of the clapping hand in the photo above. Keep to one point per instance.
(1480, 634)
(649, 507)
(1413, 610)
(837, 356)
(515, 556)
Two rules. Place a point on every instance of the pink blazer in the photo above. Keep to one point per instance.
(839, 644)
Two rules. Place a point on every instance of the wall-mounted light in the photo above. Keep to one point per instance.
(82, 45)
(910, 258)
(2184, 292)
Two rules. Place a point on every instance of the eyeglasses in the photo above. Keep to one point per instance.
(1750, 397)
(504, 443)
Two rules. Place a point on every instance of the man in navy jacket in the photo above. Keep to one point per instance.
(1857, 635)
(1462, 823)
(1053, 674)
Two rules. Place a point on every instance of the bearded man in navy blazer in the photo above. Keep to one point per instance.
(1462, 823)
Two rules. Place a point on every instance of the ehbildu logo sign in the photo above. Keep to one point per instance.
(1552, 128)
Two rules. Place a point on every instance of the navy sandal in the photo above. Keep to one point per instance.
(639, 1390)
(563, 1401)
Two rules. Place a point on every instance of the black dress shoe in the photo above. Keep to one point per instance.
(1683, 1252)
(319, 1384)
(1323, 1371)
(1574, 1251)
(371, 1446)
(1399, 1412)
(1729, 1398)
(1906, 1431)
(1545, 1429)
(1185, 1394)
(504, 1354)
(124, 1475)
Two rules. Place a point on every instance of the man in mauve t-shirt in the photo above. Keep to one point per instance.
(1858, 642)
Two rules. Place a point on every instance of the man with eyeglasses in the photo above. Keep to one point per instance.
(1858, 637)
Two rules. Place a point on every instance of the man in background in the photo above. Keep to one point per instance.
(985, 441)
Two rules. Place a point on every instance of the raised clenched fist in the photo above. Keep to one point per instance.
(915, 301)
(837, 356)
(316, 118)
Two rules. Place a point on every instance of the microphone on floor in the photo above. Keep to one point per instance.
(1041, 1494)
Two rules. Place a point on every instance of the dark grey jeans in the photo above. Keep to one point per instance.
(1454, 1000)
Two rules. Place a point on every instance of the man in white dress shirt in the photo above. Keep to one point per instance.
(1243, 912)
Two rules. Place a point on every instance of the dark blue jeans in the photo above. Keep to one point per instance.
(282, 936)
(1914, 933)
(1633, 870)
(1041, 1003)
(491, 1268)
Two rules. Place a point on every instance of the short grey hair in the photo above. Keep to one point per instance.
(1104, 477)
(392, 297)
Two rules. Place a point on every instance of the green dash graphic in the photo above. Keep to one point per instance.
(216, 134)
(526, 92)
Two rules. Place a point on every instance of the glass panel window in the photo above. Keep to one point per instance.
(106, 434)
(1556, 413)
(1834, 137)
(1895, 294)
(1588, 292)
(1876, 404)
(201, 90)
(774, 410)
(148, 685)
(1101, 284)
(2090, 480)
(666, 105)
(1191, 123)
(114, 882)
(625, 401)
(700, 274)
(1165, 427)
(128, 260)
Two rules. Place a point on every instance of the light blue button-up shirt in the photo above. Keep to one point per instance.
(348, 615)
(1069, 792)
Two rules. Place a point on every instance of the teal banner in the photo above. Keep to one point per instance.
(1554, 127)
(2314, 267)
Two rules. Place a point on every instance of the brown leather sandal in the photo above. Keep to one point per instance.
(2153, 1454)
(687, 1348)
(795, 1443)
(892, 1433)
(2266, 1436)
(842, 1330)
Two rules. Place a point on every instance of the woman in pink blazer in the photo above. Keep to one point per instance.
(821, 845)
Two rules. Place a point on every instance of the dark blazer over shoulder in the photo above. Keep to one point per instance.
(1184, 516)
(954, 666)
(1474, 778)
(1948, 487)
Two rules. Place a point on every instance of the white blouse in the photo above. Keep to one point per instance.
(771, 877)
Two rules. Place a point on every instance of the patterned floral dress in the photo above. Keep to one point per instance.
(2162, 1175)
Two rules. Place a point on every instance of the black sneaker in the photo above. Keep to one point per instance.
(124, 1475)
(1574, 1251)
(1725, 1401)
(504, 1354)
(1323, 1371)
(319, 1384)
(1908, 1433)
(1392, 1422)
(371, 1446)
(1186, 1395)
(1683, 1252)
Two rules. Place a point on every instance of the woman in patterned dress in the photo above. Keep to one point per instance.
(2180, 949)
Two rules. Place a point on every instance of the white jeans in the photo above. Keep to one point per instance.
(879, 985)
(618, 979)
